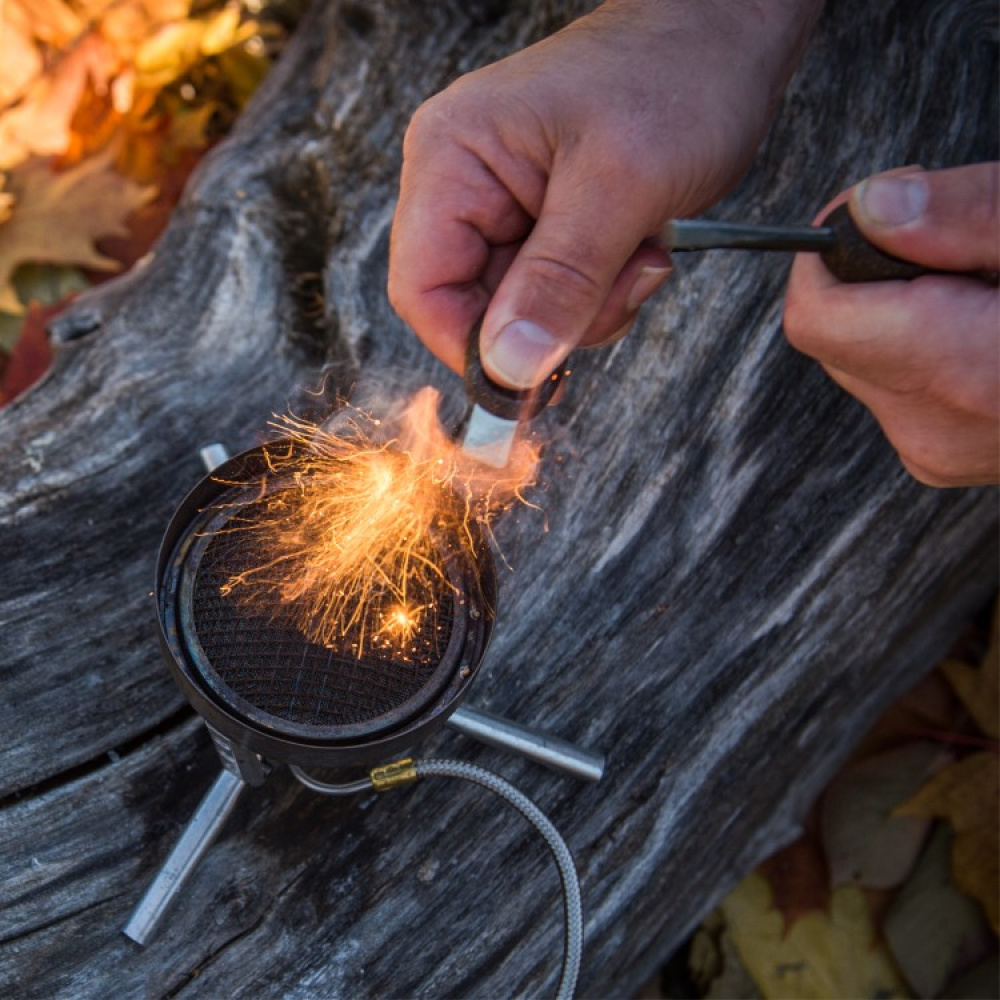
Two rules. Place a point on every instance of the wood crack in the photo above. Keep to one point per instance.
(95, 764)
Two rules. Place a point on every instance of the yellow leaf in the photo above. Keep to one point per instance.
(979, 689)
(178, 46)
(824, 956)
(57, 216)
(221, 31)
(967, 794)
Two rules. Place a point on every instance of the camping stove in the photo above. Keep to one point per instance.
(271, 696)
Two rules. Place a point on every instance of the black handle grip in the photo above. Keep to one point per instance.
(508, 404)
(854, 259)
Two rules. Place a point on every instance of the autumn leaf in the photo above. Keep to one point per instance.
(39, 124)
(865, 842)
(6, 201)
(823, 956)
(932, 929)
(56, 218)
(967, 794)
(19, 54)
(178, 46)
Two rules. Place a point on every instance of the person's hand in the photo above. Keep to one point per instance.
(530, 186)
(924, 355)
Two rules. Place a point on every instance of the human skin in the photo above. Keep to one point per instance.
(531, 189)
(923, 355)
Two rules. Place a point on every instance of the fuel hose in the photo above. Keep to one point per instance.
(402, 772)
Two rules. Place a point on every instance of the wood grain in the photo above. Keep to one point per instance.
(730, 579)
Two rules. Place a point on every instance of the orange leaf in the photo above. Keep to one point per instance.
(19, 53)
(57, 217)
(40, 123)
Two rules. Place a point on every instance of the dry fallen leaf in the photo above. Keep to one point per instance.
(90, 44)
(933, 930)
(57, 217)
(967, 794)
(866, 843)
(823, 956)
(19, 53)
(178, 46)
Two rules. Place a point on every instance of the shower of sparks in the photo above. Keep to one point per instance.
(349, 523)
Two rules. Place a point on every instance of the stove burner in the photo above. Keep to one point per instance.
(261, 682)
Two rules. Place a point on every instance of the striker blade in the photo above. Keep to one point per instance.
(489, 438)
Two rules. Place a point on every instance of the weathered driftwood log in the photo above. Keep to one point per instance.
(732, 576)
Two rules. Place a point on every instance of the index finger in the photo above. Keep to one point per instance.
(452, 212)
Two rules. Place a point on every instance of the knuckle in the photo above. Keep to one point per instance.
(429, 122)
(567, 280)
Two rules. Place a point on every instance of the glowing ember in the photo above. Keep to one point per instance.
(349, 525)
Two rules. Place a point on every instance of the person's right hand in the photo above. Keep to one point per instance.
(922, 355)
(530, 188)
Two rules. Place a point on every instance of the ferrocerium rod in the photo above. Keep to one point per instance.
(531, 743)
(707, 234)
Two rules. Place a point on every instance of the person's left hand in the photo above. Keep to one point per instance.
(923, 355)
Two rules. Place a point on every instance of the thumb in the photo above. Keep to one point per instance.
(945, 219)
(559, 280)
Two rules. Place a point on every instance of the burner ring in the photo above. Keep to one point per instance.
(262, 683)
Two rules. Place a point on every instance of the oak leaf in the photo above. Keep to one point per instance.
(57, 217)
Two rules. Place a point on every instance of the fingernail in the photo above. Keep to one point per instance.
(892, 201)
(523, 354)
(649, 279)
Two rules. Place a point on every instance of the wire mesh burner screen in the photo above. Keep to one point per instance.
(254, 675)
(263, 659)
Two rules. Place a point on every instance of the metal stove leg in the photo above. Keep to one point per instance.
(532, 743)
(202, 829)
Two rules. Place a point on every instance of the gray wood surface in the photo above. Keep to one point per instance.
(731, 578)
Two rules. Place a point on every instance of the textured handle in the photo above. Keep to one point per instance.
(508, 404)
(853, 259)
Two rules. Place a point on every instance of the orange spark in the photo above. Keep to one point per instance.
(350, 525)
